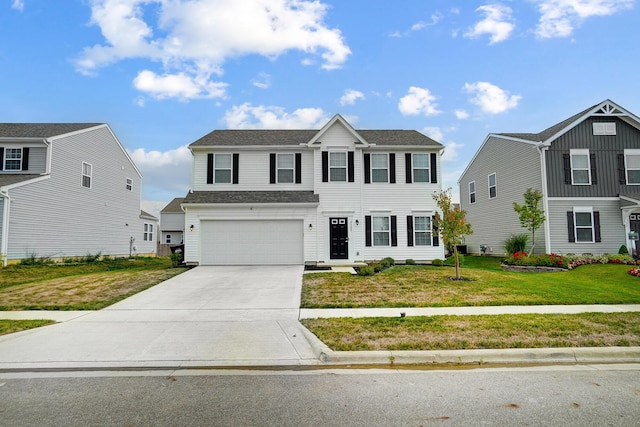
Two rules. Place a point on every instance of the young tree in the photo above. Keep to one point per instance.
(531, 216)
(451, 224)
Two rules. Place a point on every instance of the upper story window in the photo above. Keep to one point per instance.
(337, 166)
(13, 159)
(421, 168)
(472, 192)
(606, 128)
(379, 168)
(129, 184)
(580, 167)
(222, 168)
(492, 186)
(87, 171)
(286, 167)
(632, 166)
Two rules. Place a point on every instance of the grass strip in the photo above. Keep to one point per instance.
(11, 326)
(478, 332)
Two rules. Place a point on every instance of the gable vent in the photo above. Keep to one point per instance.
(609, 110)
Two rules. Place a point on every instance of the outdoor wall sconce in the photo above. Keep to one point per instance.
(191, 227)
(357, 222)
(310, 227)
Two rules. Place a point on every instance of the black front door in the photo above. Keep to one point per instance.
(339, 235)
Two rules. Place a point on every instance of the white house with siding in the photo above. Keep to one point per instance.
(172, 222)
(334, 195)
(69, 189)
(587, 168)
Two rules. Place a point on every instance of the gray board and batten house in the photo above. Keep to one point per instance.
(588, 170)
(332, 195)
(67, 190)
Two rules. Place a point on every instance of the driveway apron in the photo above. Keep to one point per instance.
(207, 316)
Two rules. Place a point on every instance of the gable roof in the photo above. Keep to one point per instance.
(41, 130)
(173, 206)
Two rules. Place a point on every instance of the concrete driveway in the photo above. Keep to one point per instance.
(207, 316)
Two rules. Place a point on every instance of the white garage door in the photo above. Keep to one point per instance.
(255, 242)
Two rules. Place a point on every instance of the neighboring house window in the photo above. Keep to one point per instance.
(87, 171)
(148, 232)
(379, 168)
(580, 170)
(168, 238)
(286, 168)
(422, 230)
(632, 166)
(472, 192)
(421, 168)
(129, 184)
(381, 231)
(608, 128)
(13, 159)
(337, 166)
(492, 186)
(222, 168)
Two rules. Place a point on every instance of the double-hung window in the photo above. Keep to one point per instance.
(492, 186)
(472, 192)
(148, 232)
(583, 224)
(381, 231)
(13, 159)
(129, 184)
(86, 174)
(421, 168)
(632, 166)
(286, 168)
(379, 168)
(337, 166)
(222, 168)
(422, 230)
(580, 167)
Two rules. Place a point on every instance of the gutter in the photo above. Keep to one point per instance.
(542, 148)
(4, 247)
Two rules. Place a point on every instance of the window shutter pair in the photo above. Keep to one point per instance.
(325, 166)
(234, 168)
(369, 234)
(566, 165)
(273, 168)
(433, 168)
(367, 168)
(25, 158)
(571, 227)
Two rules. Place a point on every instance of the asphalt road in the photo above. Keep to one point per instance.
(595, 395)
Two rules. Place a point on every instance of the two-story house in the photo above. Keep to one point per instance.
(69, 189)
(172, 222)
(588, 170)
(333, 195)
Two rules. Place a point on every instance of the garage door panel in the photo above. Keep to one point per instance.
(247, 242)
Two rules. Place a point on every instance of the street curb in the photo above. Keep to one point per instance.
(474, 356)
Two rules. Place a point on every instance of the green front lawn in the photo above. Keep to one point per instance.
(11, 326)
(428, 286)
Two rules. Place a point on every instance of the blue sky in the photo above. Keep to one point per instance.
(163, 73)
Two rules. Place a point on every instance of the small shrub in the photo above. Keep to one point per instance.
(437, 262)
(623, 250)
(410, 261)
(366, 271)
(91, 258)
(176, 259)
(390, 262)
(33, 259)
(515, 243)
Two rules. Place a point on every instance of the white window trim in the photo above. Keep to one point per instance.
(604, 128)
(428, 168)
(90, 175)
(371, 168)
(345, 167)
(167, 239)
(292, 168)
(416, 231)
(148, 231)
(580, 152)
(129, 184)
(373, 231)
(475, 196)
(7, 159)
(630, 152)
(583, 209)
(495, 185)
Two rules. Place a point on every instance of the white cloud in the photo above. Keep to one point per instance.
(418, 26)
(192, 39)
(560, 17)
(180, 86)
(433, 132)
(497, 23)
(418, 101)
(262, 81)
(350, 97)
(461, 114)
(18, 5)
(451, 151)
(490, 98)
(247, 116)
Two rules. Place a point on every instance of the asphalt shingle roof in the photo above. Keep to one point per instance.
(41, 130)
(9, 179)
(216, 197)
(173, 206)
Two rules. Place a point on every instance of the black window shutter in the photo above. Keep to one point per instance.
(392, 168)
(367, 168)
(435, 234)
(596, 226)
(236, 164)
(622, 176)
(410, 230)
(434, 168)
(367, 230)
(325, 166)
(210, 168)
(594, 170)
(394, 230)
(570, 227)
(1, 158)
(350, 166)
(408, 167)
(298, 168)
(566, 162)
(25, 159)
(272, 168)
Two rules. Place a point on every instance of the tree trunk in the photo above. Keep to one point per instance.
(457, 262)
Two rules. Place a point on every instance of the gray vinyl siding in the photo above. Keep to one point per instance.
(517, 167)
(58, 217)
(172, 221)
(606, 149)
(611, 227)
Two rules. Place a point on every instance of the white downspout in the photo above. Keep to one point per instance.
(545, 200)
(4, 248)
